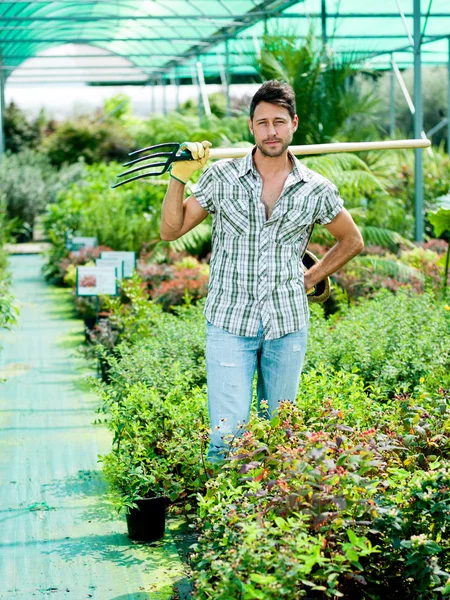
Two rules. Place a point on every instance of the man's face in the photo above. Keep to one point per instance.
(272, 128)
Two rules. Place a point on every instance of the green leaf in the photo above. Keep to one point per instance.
(275, 422)
(352, 536)
(440, 219)
(263, 579)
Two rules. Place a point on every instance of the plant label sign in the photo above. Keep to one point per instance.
(78, 243)
(129, 260)
(112, 262)
(96, 281)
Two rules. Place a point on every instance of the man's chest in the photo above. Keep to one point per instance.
(270, 194)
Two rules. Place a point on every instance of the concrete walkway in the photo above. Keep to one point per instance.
(59, 536)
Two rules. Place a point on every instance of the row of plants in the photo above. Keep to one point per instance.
(128, 219)
(9, 310)
(345, 493)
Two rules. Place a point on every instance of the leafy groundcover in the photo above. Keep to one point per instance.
(344, 494)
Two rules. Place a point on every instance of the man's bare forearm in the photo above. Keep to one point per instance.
(334, 259)
(172, 213)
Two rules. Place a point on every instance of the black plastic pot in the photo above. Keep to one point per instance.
(147, 523)
(89, 324)
(103, 369)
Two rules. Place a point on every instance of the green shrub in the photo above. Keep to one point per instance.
(392, 341)
(159, 443)
(313, 508)
(154, 347)
(29, 183)
(94, 142)
(20, 133)
(122, 219)
(180, 128)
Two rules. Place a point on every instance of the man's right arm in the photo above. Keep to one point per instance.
(178, 215)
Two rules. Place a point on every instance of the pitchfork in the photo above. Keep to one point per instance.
(176, 152)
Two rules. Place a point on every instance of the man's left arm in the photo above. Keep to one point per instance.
(349, 244)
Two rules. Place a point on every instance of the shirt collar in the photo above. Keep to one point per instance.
(299, 171)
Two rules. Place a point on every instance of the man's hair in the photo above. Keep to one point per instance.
(275, 92)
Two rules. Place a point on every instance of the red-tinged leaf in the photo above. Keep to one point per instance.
(261, 475)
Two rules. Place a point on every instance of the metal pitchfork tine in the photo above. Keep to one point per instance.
(173, 154)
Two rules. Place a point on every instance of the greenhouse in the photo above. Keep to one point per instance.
(224, 299)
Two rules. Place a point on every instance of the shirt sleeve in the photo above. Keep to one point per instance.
(203, 190)
(330, 206)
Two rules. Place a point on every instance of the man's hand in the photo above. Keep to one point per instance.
(349, 244)
(183, 170)
(308, 286)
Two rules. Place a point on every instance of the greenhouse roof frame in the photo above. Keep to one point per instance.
(214, 32)
(219, 37)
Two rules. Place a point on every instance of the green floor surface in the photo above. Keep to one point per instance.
(59, 536)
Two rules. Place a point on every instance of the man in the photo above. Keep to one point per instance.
(263, 207)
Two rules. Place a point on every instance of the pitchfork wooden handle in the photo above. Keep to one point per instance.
(218, 153)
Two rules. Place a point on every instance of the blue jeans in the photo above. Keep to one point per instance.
(231, 362)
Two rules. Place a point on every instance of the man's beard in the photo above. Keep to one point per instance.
(275, 152)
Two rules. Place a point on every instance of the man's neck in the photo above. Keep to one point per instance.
(271, 166)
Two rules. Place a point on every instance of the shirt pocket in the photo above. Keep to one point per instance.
(233, 209)
(292, 226)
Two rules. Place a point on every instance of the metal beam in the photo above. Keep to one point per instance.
(74, 67)
(275, 7)
(323, 19)
(405, 24)
(206, 43)
(2, 115)
(164, 95)
(199, 17)
(227, 79)
(442, 123)
(153, 97)
(448, 98)
(418, 126)
(403, 87)
(203, 91)
(392, 98)
(115, 55)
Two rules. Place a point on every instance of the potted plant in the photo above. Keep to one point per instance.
(139, 490)
(157, 454)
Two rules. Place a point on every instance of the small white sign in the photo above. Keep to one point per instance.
(77, 242)
(129, 260)
(96, 281)
(111, 262)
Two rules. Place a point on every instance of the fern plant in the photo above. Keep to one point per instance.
(327, 96)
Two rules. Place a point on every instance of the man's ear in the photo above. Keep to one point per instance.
(250, 126)
(295, 122)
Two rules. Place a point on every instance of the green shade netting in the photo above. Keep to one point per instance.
(165, 38)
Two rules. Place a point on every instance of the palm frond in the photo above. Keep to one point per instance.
(380, 236)
(347, 171)
(388, 267)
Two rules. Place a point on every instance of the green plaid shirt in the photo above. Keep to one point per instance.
(256, 271)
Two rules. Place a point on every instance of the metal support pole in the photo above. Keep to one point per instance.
(199, 96)
(2, 114)
(448, 98)
(418, 125)
(153, 97)
(227, 78)
(323, 17)
(204, 92)
(164, 96)
(177, 93)
(392, 99)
